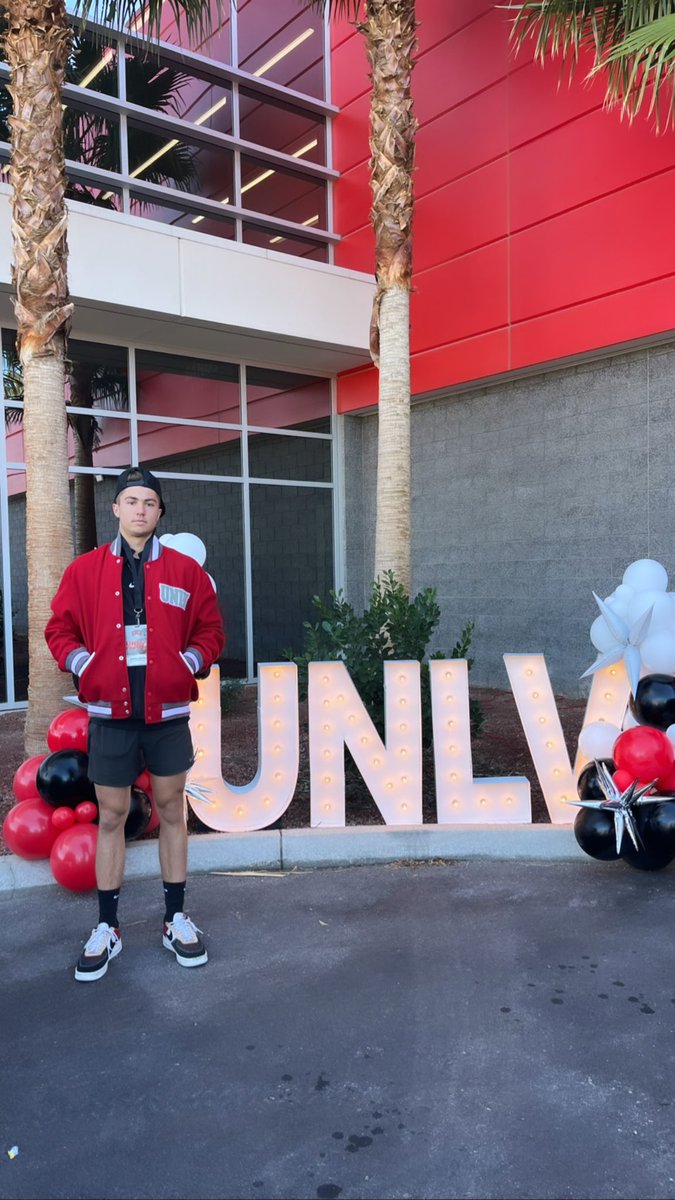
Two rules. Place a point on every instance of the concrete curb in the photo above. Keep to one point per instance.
(356, 845)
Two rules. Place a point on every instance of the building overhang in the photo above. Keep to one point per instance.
(140, 282)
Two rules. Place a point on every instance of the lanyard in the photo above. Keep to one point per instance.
(138, 585)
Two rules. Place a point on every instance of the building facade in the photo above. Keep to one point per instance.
(222, 270)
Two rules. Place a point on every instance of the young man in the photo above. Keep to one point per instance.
(135, 622)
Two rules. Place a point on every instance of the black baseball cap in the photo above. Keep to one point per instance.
(139, 477)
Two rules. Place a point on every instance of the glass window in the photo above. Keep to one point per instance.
(282, 43)
(213, 41)
(163, 86)
(281, 193)
(183, 389)
(91, 65)
(285, 400)
(19, 581)
(271, 456)
(169, 213)
(292, 560)
(282, 127)
(189, 167)
(173, 385)
(92, 138)
(269, 239)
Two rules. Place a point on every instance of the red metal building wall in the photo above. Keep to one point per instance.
(543, 223)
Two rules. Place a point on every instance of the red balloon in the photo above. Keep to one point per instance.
(24, 785)
(68, 730)
(28, 829)
(62, 818)
(646, 753)
(667, 782)
(623, 779)
(73, 858)
(144, 782)
(85, 812)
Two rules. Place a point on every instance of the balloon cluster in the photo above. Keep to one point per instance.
(637, 624)
(189, 544)
(56, 814)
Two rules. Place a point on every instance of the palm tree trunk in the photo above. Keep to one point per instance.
(389, 28)
(36, 46)
(393, 506)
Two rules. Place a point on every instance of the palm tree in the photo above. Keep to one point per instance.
(93, 139)
(389, 29)
(632, 43)
(37, 45)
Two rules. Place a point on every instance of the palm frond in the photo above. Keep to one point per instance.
(350, 9)
(562, 28)
(632, 43)
(145, 16)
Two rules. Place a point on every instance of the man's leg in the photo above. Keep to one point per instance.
(169, 795)
(113, 810)
(180, 934)
(105, 942)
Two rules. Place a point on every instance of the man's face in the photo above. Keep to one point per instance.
(138, 511)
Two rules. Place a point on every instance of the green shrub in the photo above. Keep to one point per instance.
(231, 695)
(391, 627)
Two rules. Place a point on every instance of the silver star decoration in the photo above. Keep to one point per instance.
(622, 804)
(628, 642)
(200, 793)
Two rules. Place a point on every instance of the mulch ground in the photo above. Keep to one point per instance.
(500, 749)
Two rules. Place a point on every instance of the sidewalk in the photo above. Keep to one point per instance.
(476, 1029)
(355, 845)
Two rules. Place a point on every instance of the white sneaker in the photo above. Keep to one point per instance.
(182, 936)
(105, 943)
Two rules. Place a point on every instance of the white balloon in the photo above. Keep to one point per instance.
(619, 603)
(646, 574)
(191, 545)
(597, 739)
(213, 582)
(658, 653)
(167, 539)
(660, 602)
(601, 635)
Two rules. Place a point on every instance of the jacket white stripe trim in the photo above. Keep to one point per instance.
(99, 710)
(174, 710)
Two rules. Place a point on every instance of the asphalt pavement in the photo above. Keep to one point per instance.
(470, 1029)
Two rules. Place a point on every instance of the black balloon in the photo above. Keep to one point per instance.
(654, 701)
(651, 858)
(659, 825)
(588, 784)
(594, 831)
(62, 779)
(140, 812)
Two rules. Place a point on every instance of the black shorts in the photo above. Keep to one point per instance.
(119, 751)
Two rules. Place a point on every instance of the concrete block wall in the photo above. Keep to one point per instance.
(527, 496)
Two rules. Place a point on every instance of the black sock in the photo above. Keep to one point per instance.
(174, 898)
(107, 907)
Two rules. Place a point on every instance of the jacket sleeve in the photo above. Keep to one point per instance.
(63, 631)
(207, 635)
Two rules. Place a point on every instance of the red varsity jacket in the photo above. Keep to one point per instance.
(86, 631)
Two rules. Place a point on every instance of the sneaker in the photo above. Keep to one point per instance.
(182, 936)
(105, 943)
